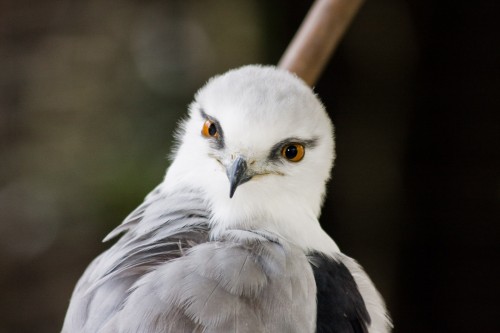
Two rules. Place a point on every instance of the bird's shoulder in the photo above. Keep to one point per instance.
(161, 229)
(167, 274)
(341, 307)
(244, 281)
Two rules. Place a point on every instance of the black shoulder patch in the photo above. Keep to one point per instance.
(341, 308)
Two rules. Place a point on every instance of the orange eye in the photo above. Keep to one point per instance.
(293, 152)
(209, 130)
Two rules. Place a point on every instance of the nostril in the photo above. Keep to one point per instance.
(236, 155)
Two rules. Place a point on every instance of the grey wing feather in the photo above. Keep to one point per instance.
(248, 285)
(166, 275)
(159, 230)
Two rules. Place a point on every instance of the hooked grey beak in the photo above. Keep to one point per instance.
(237, 174)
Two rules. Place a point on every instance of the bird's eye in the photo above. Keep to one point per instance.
(209, 130)
(293, 152)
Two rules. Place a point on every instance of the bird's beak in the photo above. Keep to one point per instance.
(237, 173)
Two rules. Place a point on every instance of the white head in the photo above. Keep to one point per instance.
(259, 144)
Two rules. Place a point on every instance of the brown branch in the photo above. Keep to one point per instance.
(317, 37)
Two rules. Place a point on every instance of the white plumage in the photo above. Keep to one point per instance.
(230, 240)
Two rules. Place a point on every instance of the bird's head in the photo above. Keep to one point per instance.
(259, 144)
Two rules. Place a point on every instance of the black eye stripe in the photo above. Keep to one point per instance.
(219, 142)
(275, 152)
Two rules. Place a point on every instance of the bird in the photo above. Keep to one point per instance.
(230, 241)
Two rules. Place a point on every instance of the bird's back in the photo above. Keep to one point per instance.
(166, 275)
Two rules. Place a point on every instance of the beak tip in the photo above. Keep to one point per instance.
(237, 175)
(231, 191)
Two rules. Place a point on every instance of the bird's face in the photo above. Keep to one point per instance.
(258, 142)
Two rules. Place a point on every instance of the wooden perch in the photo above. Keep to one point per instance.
(317, 37)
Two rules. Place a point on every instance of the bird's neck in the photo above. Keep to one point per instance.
(264, 205)
(297, 225)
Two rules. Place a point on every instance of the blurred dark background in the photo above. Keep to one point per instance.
(90, 92)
